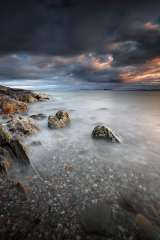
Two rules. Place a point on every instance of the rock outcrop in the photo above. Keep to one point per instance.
(9, 105)
(16, 100)
(21, 125)
(12, 103)
(102, 132)
(60, 120)
(22, 95)
(12, 148)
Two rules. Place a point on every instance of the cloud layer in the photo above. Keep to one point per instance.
(88, 40)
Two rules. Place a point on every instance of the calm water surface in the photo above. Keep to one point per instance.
(134, 164)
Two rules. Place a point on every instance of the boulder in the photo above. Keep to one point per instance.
(22, 125)
(54, 122)
(102, 132)
(60, 120)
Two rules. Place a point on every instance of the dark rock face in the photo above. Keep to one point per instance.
(18, 152)
(12, 147)
(10, 134)
(5, 161)
(102, 132)
(60, 120)
(13, 101)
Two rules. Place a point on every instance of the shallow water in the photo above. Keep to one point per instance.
(77, 179)
(134, 164)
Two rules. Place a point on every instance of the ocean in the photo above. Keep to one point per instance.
(71, 172)
(130, 166)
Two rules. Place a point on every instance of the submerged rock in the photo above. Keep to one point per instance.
(39, 116)
(36, 143)
(22, 125)
(102, 132)
(60, 120)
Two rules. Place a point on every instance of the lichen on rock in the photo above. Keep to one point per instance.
(9, 105)
(60, 120)
(102, 132)
(22, 125)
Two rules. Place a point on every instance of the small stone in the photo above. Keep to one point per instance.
(21, 188)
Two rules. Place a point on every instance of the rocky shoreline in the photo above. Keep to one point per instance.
(30, 212)
(14, 103)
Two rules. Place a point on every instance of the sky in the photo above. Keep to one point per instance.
(100, 44)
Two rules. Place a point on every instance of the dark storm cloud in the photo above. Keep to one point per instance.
(72, 26)
(55, 33)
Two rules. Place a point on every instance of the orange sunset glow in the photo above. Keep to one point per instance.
(98, 64)
(150, 71)
(151, 26)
